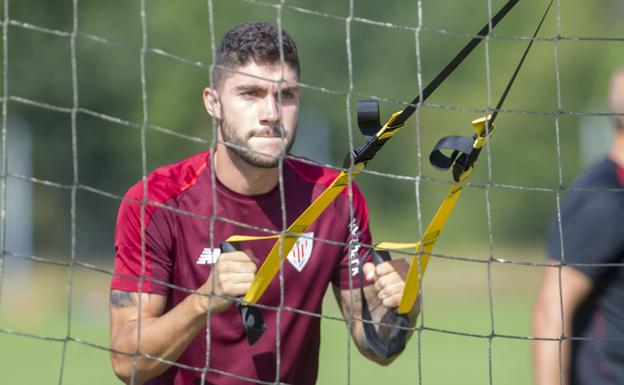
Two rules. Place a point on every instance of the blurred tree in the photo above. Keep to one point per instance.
(350, 57)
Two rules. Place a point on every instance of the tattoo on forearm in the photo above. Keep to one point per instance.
(121, 299)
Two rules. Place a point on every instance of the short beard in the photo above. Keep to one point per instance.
(247, 155)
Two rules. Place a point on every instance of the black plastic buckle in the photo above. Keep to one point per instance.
(369, 124)
(368, 117)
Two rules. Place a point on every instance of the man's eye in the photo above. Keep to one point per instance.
(288, 95)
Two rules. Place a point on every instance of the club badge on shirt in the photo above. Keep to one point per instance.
(301, 251)
(298, 256)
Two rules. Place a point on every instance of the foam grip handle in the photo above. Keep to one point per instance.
(394, 336)
(253, 322)
(380, 256)
(227, 247)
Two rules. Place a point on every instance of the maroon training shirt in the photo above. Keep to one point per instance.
(179, 252)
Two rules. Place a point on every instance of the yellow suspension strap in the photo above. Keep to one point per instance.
(465, 153)
(355, 162)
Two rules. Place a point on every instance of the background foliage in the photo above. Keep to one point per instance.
(374, 49)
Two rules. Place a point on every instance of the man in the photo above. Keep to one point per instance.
(172, 314)
(590, 282)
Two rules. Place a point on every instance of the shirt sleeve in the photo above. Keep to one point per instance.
(592, 234)
(141, 255)
(357, 243)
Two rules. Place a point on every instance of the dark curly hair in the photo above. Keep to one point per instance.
(255, 41)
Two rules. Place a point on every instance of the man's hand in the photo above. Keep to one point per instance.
(389, 280)
(382, 297)
(231, 277)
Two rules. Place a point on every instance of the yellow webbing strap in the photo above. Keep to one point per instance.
(421, 259)
(418, 267)
(271, 264)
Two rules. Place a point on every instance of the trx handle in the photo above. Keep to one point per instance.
(394, 329)
(253, 322)
(465, 149)
(461, 147)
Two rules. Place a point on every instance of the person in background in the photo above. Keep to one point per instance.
(581, 300)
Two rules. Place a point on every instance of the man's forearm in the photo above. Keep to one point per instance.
(550, 356)
(563, 289)
(164, 337)
(146, 347)
(547, 359)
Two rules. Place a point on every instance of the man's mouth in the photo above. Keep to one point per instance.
(267, 134)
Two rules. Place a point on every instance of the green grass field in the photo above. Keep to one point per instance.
(456, 300)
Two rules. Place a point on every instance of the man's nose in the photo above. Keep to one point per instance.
(270, 113)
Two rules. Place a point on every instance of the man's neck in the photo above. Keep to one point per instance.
(241, 177)
(616, 153)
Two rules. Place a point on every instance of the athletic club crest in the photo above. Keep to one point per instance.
(301, 251)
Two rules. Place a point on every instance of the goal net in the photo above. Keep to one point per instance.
(96, 95)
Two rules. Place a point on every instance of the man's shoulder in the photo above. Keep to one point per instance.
(595, 201)
(321, 177)
(310, 171)
(603, 174)
(168, 181)
(314, 173)
(597, 183)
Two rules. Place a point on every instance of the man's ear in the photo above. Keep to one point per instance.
(211, 102)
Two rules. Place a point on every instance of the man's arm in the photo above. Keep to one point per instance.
(167, 335)
(382, 298)
(162, 335)
(547, 322)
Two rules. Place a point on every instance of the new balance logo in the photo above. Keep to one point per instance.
(208, 256)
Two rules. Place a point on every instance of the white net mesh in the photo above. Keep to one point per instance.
(97, 94)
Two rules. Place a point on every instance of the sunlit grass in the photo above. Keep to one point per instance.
(454, 344)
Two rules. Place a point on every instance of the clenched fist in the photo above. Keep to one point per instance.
(231, 277)
(389, 280)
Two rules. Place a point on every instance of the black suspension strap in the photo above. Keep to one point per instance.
(464, 153)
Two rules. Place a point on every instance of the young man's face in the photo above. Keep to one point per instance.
(257, 109)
